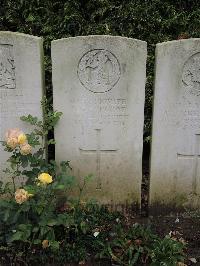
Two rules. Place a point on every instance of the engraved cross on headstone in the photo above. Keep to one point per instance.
(195, 157)
(98, 151)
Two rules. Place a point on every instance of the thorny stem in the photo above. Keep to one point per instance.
(44, 136)
(14, 187)
(31, 244)
(81, 188)
(45, 145)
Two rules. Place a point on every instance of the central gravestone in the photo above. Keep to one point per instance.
(99, 86)
(21, 83)
(175, 157)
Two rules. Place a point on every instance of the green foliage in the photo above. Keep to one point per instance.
(139, 246)
(166, 252)
(74, 231)
(152, 21)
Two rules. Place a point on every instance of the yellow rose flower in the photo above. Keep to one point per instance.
(45, 178)
(21, 195)
(22, 138)
(45, 243)
(25, 149)
(12, 143)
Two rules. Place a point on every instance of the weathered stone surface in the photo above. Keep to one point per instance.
(175, 164)
(21, 82)
(99, 85)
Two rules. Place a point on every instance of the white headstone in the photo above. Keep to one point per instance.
(175, 158)
(99, 85)
(21, 82)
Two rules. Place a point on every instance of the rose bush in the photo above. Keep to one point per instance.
(29, 202)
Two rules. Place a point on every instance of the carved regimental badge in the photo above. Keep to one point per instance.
(98, 70)
(7, 67)
(191, 74)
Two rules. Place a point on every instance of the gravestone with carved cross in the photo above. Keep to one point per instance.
(99, 86)
(175, 168)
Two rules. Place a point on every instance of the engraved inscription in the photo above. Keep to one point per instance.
(191, 118)
(191, 74)
(99, 70)
(108, 110)
(188, 113)
(7, 67)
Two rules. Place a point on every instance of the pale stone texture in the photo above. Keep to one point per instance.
(175, 165)
(21, 83)
(99, 85)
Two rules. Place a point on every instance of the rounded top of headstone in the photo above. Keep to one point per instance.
(100, 37)
(177, 42)
(18, 34)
